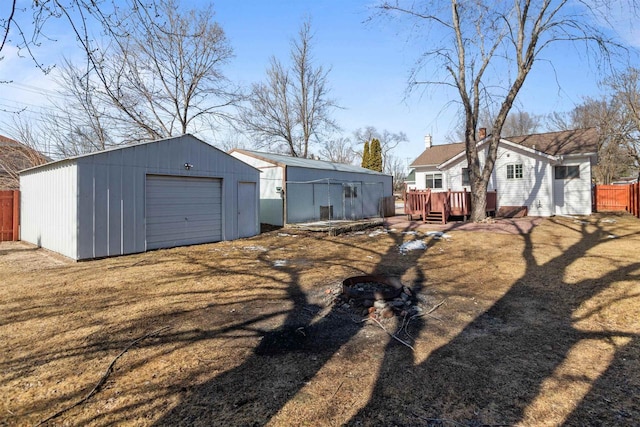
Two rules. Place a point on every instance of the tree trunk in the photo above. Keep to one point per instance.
(478, 201)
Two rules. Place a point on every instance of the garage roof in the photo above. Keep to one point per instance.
(283, 160)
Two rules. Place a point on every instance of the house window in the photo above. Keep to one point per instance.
(514, 171)
(350, 191)
(466, 180)
(433, 180)
(567, 172)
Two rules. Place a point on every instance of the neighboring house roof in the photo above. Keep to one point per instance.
(14, 157)
(411, 177)
(283, 160)
(562, 143)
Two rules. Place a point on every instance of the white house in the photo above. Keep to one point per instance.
(548, 173)
(160, 194)
(295, 190)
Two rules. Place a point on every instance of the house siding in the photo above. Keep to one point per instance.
(574, 196)
(533, 190)
(537, 189)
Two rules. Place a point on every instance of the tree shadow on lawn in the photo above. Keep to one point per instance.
(284, 361)
(525, 360)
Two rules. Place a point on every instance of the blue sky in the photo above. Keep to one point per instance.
(370, 64)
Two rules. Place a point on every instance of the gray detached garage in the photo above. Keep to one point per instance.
(160, 194)
(295, 190)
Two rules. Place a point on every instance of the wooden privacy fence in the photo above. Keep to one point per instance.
(388, 206)
(617, 198)
(9, 215)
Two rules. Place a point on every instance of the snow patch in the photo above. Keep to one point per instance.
(437, 235)
(413, 245)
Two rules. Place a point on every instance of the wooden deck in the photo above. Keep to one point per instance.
(438, 207)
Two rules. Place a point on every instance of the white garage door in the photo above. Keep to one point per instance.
(182, 211)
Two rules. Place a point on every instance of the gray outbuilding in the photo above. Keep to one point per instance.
(172, 192)
(295, 190)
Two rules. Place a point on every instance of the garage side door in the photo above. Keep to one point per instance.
(182, 211)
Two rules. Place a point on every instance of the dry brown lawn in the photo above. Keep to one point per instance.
(536, 329)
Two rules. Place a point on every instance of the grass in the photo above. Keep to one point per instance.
(536, 329)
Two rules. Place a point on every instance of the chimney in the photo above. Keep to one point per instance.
(427, 141)
(482, 133)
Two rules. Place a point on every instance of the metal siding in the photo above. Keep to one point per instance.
(100, 211)
(48, 213)
(304, 205)
(85, 210)
(115, 204)
(247, 209)
(129, 211)
(182, 211)
(105, 211)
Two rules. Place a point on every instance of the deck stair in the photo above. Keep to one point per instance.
(434, 217)
(435, 207)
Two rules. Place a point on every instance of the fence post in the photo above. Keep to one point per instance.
(16, 215)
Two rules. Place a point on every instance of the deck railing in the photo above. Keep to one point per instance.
(417, 202)
(448, 203)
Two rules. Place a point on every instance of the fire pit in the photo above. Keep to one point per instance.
(374, 288)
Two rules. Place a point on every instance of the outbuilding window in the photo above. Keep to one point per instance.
(350, 191)
(567, 172)
(514, 171)
(433, 180)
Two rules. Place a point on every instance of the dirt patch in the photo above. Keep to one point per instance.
(536, 327)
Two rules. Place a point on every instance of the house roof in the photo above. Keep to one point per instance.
(283, 160)
(562, 143)
(437, 154)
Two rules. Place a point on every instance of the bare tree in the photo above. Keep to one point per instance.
(388, 141)
(338, 150)
(616, 156)
(486, 51)
(521, 123)
(161, 74)
(397, 168)
(158, 72)
(626, 94)
(291, 110)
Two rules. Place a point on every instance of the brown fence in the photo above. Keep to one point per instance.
(9, 215)
(388, 206)
(634, 199)
(617, 198)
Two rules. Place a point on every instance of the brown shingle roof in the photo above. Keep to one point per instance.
(578, 141)
(437, 154)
